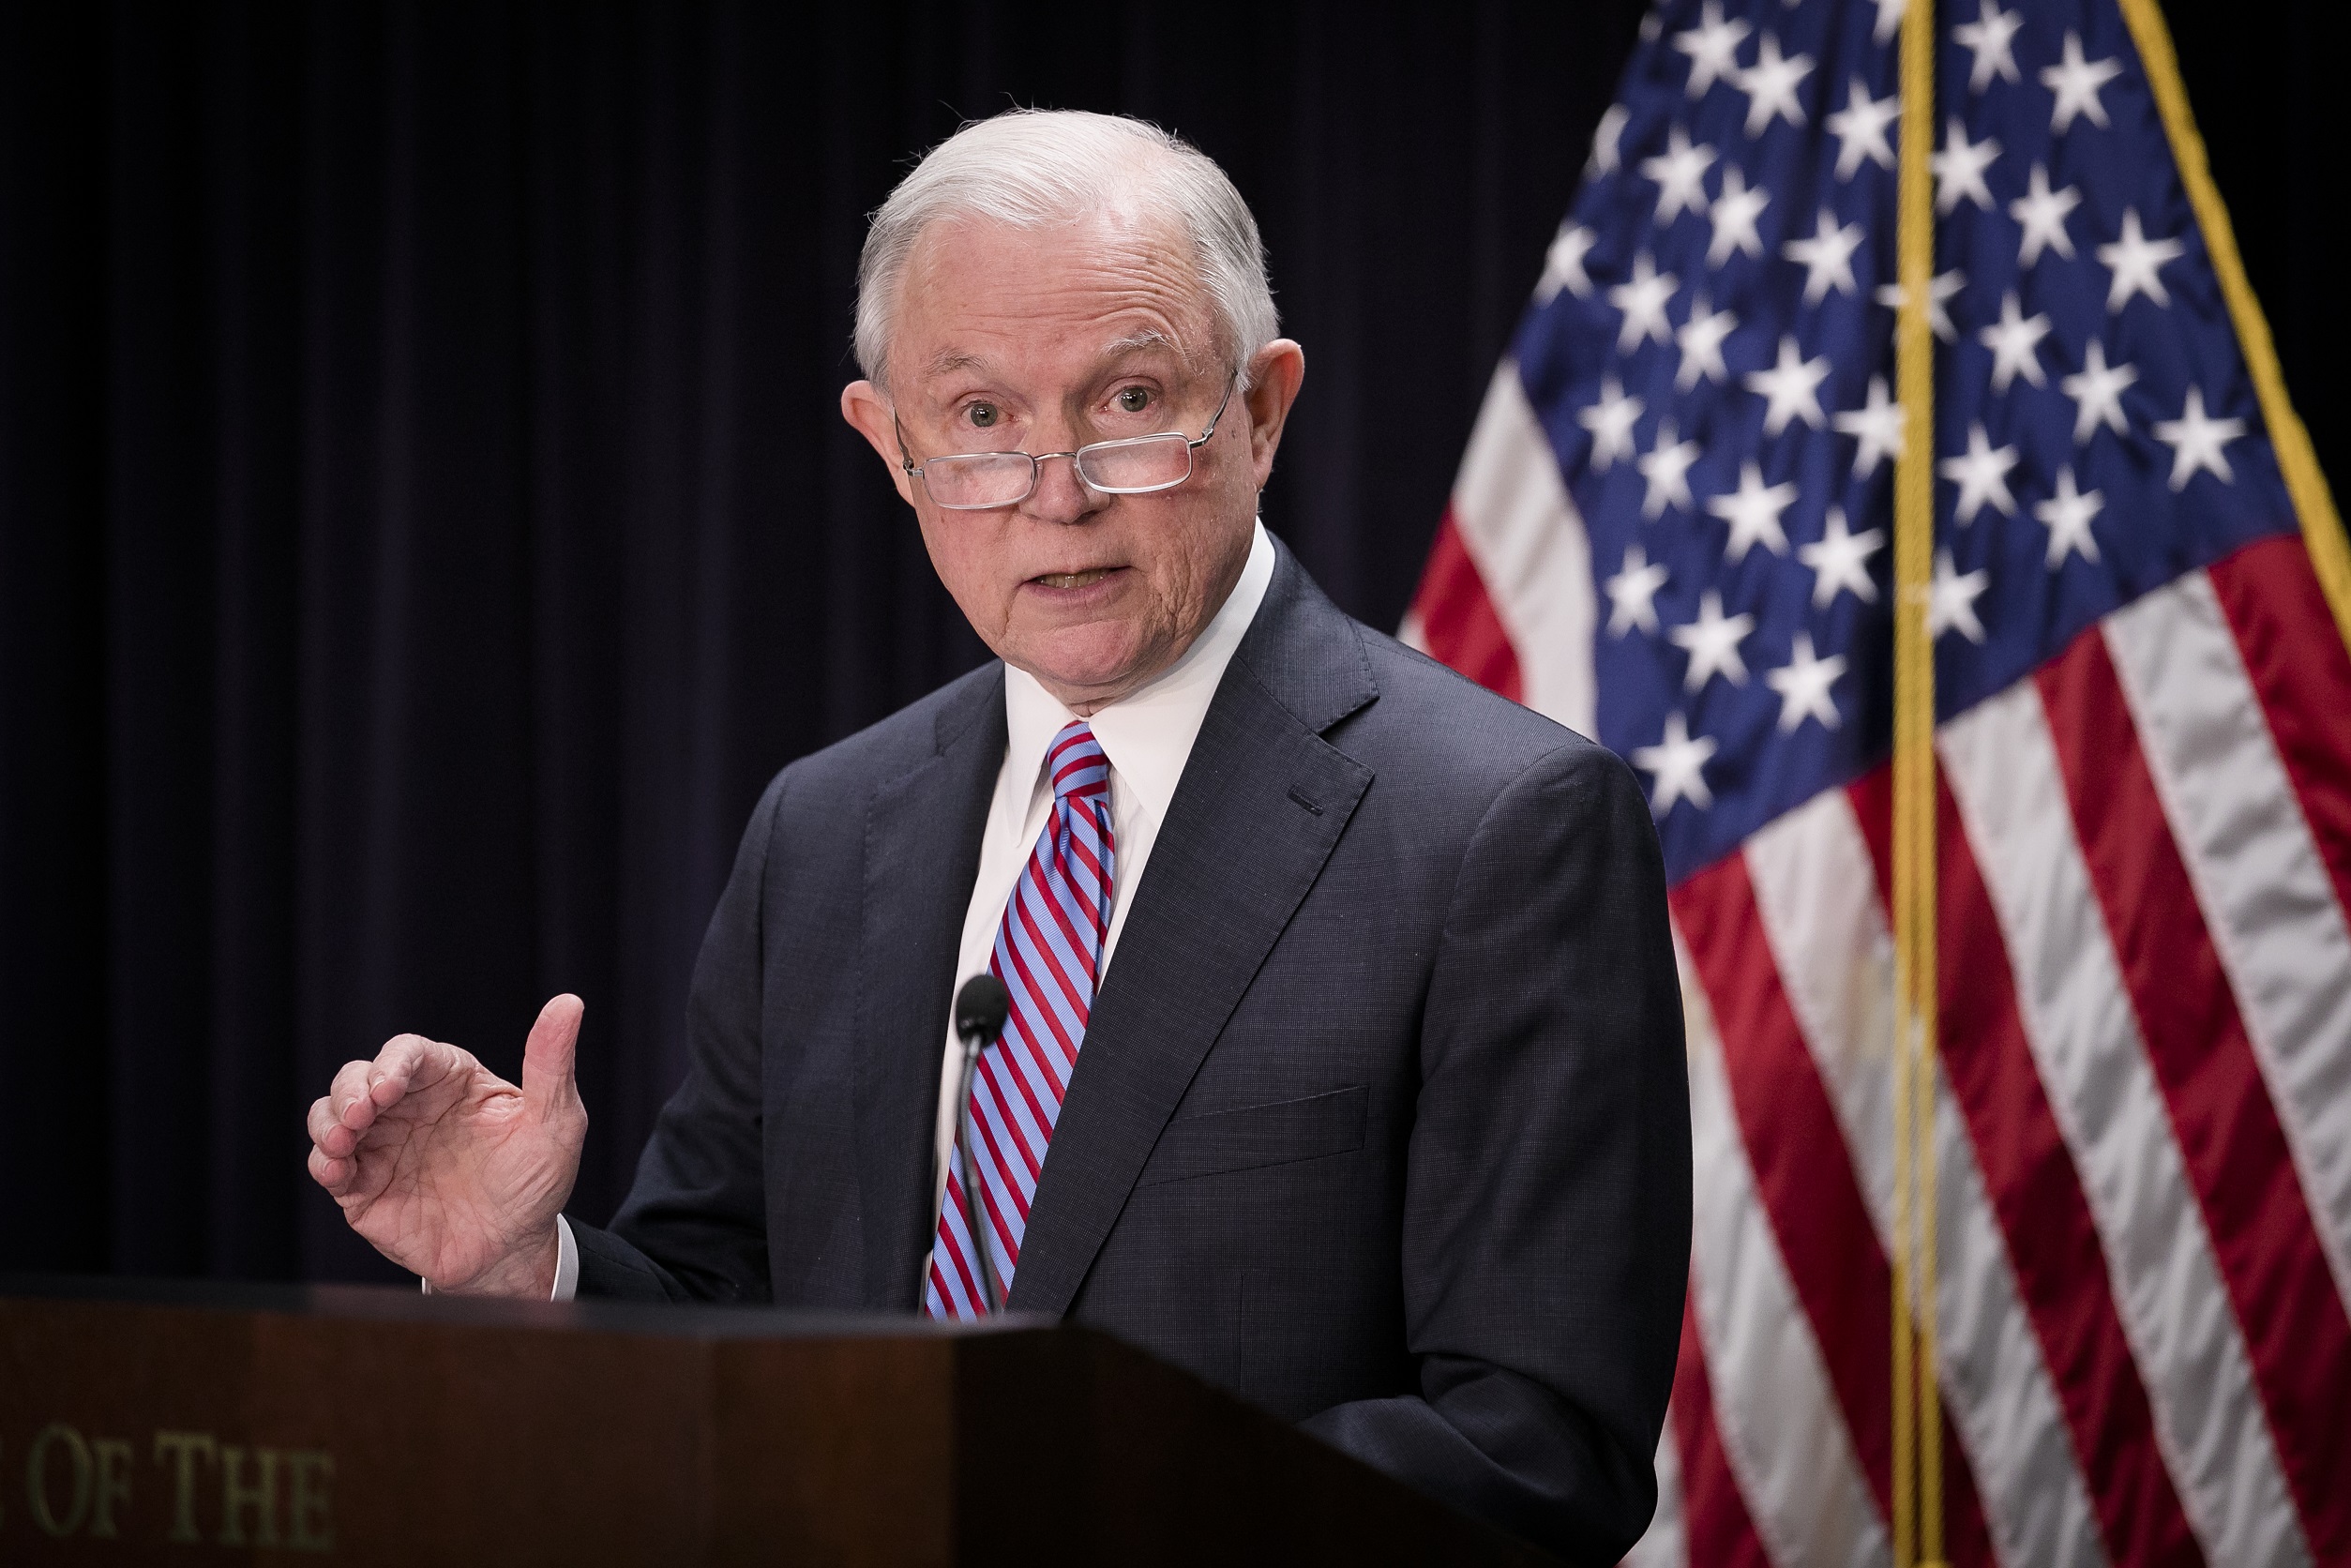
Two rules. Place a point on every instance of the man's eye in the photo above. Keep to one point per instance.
(985, 415)
(1134, 400)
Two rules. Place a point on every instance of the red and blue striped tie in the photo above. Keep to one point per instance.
(1049, 950)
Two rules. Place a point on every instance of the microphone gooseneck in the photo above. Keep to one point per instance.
(981, 1006)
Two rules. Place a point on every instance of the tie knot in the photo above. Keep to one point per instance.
(1076, 762)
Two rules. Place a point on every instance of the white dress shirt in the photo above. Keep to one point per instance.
(1147, 738)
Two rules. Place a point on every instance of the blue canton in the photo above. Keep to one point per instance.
(1710, 353)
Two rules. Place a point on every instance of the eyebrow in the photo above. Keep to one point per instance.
(953, 360)
(1136, 343)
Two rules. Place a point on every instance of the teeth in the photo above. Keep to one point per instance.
(1074, 580)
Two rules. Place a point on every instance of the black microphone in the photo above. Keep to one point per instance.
(981, 1007)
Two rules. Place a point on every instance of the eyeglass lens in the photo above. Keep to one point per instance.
(979, 479)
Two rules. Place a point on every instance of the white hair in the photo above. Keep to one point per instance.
(1034, 167)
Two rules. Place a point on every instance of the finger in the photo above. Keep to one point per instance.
(403, 1060)
(410, 1062)
(328, 1136)
(351, 1083)
(550, 1056)
(332, 1174)
(363, 1089)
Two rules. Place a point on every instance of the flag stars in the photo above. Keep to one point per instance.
(1633, 592)
(2136, 262)
(1677, 765)
(1826, 258)
(1666, 469)
(2067, 515)
(1791, 388)
(2197, 441)
(2096, 393)
(1563, 264)
(1643, 298)
(1959, 169)
(1680, 171)
(1712, 47)
(1888, 19)
(1982, 475)
(1606, 139)
(1700, 340)
(1939, 291)
(1861, 128)
(1712, 642)
(2076, 82)
(1991, 38)
(1951, 599)
(1877, 425)
(1753, 511)
(1734, 215)
(2042, 213)
(1840, 562)
(1802, 683)
(1610, 421)
(2014, 340)
(1770, 86)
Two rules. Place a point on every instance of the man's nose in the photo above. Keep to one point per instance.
(1061, 495)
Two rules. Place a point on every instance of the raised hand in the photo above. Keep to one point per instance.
(452, 1172)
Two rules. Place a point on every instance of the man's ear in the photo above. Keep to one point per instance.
(1277, 372)
(865, 407)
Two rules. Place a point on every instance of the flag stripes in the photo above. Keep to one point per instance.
(2045, 1222)
(1523, 571)
(1804, 1181)
(2235, 1152)
(2000, 764)
(1774, 1407)
(1817, 891)
(1715, 1526)
(2301, 676)
(2268, 899)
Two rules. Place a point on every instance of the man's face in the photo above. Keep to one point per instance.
(1043, 341)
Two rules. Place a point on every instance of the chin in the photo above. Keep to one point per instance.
(1083, 664)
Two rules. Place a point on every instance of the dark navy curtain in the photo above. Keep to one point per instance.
(425, 521)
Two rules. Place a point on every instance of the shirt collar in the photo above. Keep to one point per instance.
(1148, 734)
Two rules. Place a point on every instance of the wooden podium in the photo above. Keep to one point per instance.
(195, 1424)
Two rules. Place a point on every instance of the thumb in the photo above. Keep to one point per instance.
(549, 1055)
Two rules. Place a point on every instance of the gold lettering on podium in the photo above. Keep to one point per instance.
(183, 1448)
(114, 1484)
(238, 1496)
(36, 1479)
(310, 1518)
(271, 1499)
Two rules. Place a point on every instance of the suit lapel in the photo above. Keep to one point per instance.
(922, 854)
(1262, 801)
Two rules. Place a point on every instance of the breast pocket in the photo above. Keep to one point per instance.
(1254, 1137)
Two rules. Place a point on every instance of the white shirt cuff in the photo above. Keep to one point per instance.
(566, 1264)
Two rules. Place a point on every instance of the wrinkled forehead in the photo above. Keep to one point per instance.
(1052, 300)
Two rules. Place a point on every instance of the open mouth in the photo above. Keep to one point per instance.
(1074, 579)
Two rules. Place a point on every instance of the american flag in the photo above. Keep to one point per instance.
(1671, 531)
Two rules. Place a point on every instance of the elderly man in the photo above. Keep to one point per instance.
(1343, 1060)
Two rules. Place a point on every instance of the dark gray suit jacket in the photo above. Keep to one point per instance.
(1380, 1119)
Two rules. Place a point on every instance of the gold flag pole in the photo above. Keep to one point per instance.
(1918, 1456)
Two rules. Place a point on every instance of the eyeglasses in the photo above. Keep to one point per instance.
(1138, 465)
